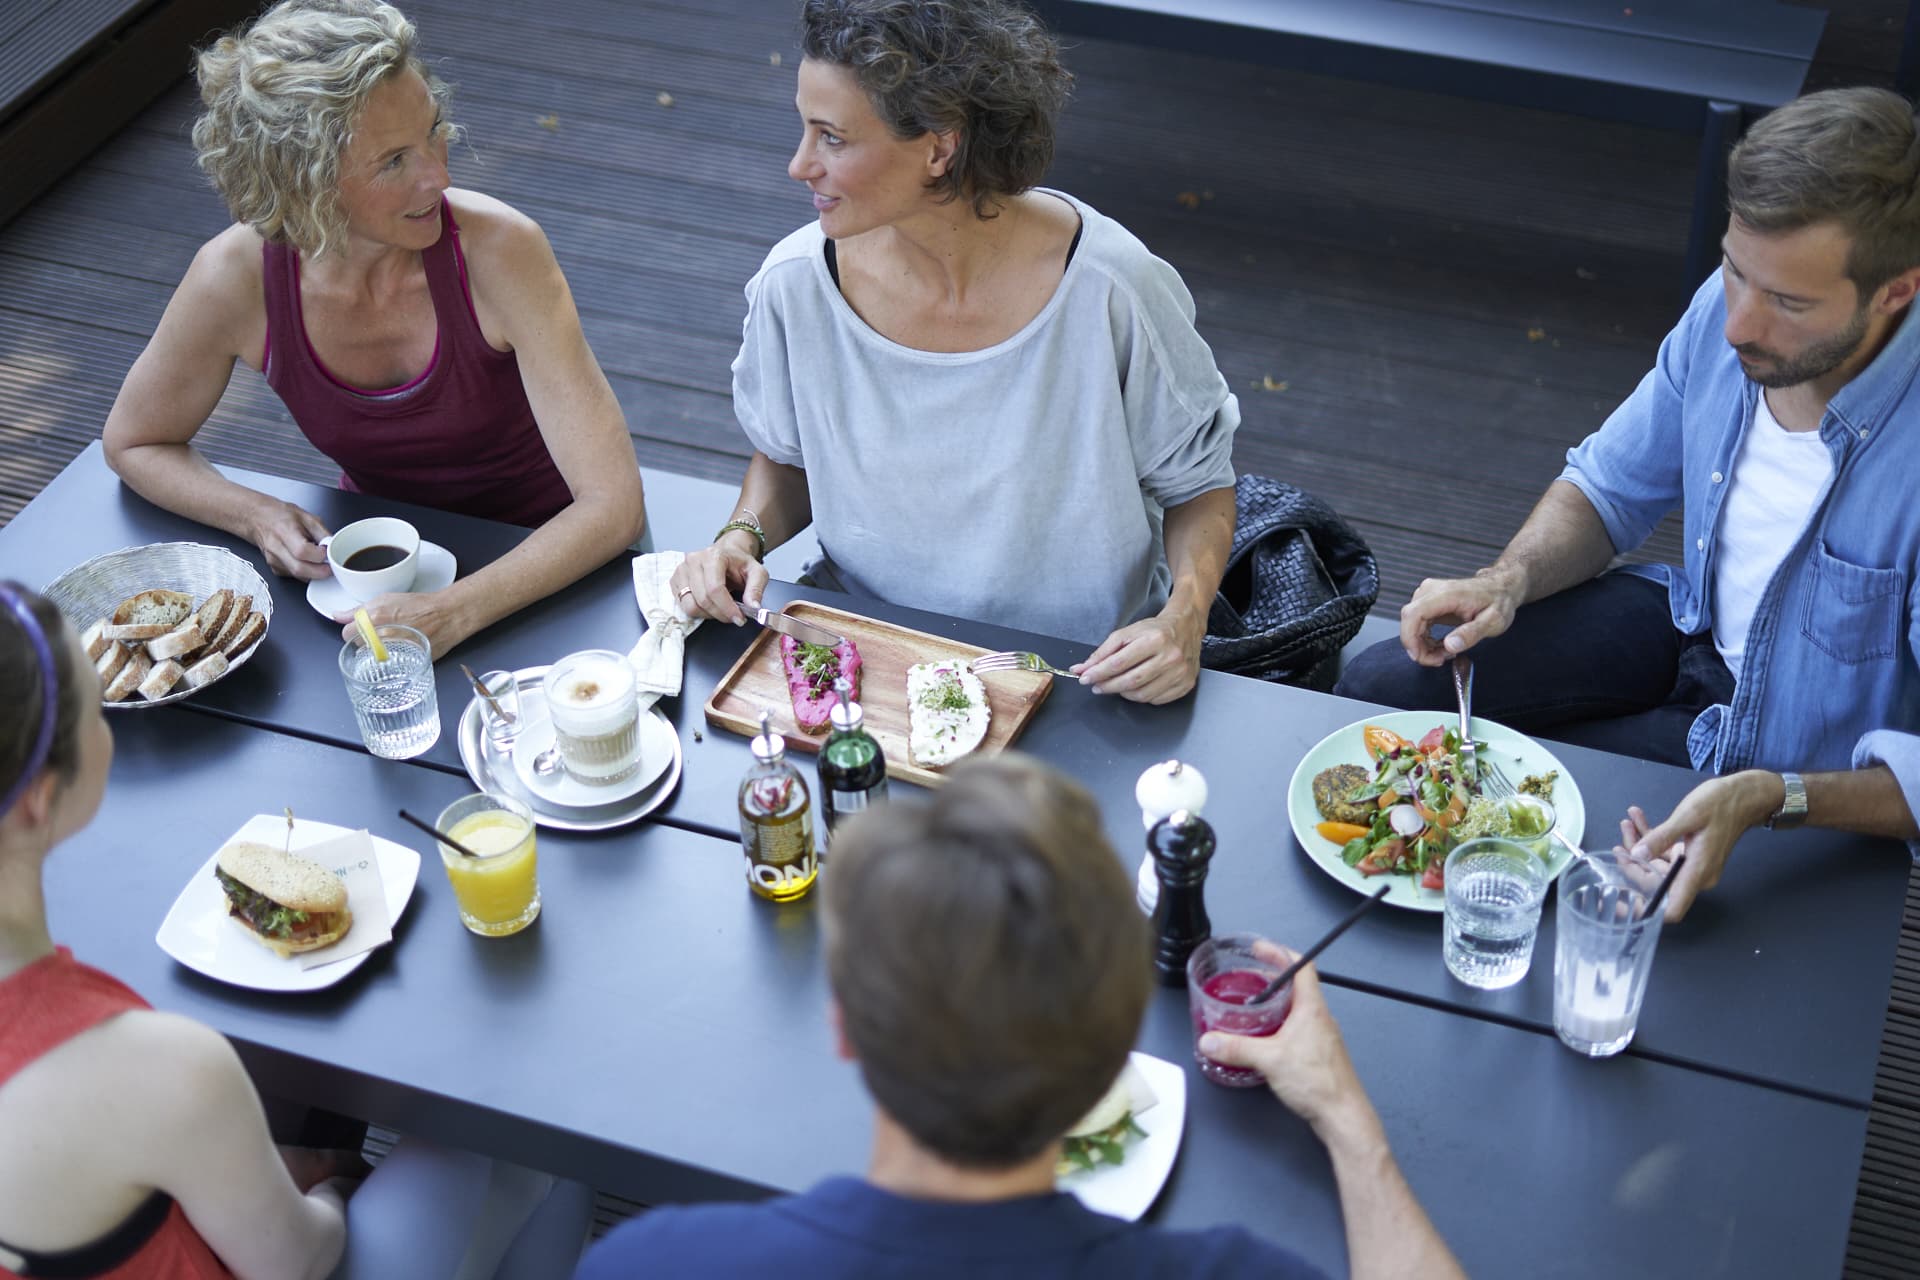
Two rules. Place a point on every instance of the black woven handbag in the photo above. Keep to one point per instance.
(1298, 585)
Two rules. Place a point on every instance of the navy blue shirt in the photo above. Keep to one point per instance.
(848, 1228)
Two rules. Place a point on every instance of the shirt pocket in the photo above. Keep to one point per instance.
(1852, 612)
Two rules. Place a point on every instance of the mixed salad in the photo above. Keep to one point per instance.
(1402, 820)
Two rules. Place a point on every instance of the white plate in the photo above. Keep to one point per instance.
(1515, 753)
(198, 933)
(1128, 1190)
(437, 569)
(561, 787)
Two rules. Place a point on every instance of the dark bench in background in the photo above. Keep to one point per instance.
(1699, 66)
(74, 72)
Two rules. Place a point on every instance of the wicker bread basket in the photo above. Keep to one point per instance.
(90, 591)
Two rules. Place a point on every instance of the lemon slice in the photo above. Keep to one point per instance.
(371, 636)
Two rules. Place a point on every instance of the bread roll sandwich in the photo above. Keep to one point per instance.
(285, 902)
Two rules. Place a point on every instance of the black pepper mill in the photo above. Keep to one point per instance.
(1181, 845)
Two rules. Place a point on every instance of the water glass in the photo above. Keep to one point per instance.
(1223, 977)
(1494, 891)
(501, 728)
(394, 701)
(1603, 952)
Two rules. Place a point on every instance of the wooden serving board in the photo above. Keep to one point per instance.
(886, 651)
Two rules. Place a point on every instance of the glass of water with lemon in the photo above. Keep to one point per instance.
(388, 670)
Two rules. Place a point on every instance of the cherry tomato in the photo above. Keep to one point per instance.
(1434, 740)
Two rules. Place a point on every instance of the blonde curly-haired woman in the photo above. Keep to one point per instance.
(422, 336)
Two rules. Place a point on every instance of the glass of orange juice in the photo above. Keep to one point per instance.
(497, 891)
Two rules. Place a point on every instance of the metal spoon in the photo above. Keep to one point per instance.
(547, 762)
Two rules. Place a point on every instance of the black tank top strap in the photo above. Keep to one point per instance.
(103, 1254)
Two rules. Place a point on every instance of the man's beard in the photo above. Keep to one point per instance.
(1817, 361)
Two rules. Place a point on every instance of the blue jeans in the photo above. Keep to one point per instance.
(1598, 665)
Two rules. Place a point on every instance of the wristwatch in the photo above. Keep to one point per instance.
(1793, 809)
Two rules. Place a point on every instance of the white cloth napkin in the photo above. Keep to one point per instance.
(661, 655)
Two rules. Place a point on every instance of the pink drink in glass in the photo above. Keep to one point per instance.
(1223, 977)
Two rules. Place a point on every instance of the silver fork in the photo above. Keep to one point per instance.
(1495, 779)
(1012, 660)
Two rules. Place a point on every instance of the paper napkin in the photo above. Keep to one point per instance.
(661, 655)
(354, 859)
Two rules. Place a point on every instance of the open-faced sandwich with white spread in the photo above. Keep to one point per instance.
(946, 712)
(1103, 1133)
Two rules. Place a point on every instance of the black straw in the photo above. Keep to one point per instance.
(1306, 957)
(1653, 903)
(438, 834)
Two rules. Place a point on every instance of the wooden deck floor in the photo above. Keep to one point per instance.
(1422, 302)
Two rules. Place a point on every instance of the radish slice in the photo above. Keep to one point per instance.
(1406, 820)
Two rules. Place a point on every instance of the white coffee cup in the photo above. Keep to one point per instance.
(376, 540)
(593, 700)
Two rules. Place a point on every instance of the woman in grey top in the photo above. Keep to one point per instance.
(988, 398)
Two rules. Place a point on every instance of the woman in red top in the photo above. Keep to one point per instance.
(132, 1143)
(421, 336)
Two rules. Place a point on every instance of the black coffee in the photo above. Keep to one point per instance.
(367, 559)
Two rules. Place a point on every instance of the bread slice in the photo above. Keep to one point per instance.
(111, 659)
(148, 615)
(212, 614)
(947, 712)
(237, 615)
(183, 639)
(207, 670)
(95, 641)
(131, 676)
(287, 878)
(251, 630)
(160, 681)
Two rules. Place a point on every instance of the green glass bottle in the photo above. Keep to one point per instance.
(853, 769)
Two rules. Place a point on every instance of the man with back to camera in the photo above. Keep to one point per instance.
(989, 1011)
(1783, 416)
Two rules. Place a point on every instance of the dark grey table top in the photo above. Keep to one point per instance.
(663, 1034)
(1719, 983)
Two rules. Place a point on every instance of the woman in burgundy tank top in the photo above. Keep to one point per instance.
(421, 336)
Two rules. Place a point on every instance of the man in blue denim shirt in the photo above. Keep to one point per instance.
(1783, 415)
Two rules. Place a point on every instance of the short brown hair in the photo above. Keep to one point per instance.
(989, 960)
(23, 686)
(985, 70)
(1848, 156)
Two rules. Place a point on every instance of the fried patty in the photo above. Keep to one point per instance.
(1331, 787)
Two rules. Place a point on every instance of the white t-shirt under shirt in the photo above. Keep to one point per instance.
(1777, 476)
(1022, 484)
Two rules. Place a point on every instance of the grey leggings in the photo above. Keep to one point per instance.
(433, 1213)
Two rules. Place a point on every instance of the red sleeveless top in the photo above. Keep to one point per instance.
(42, 1007)
(460, 437)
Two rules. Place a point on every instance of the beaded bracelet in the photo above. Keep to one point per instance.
(759, 534)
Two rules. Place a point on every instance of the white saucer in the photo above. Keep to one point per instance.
(437, 569)
(561, 787)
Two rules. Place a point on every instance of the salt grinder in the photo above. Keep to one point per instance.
(1162, 789)
(1181, 846)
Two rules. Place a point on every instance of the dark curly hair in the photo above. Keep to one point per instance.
(984, 70)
